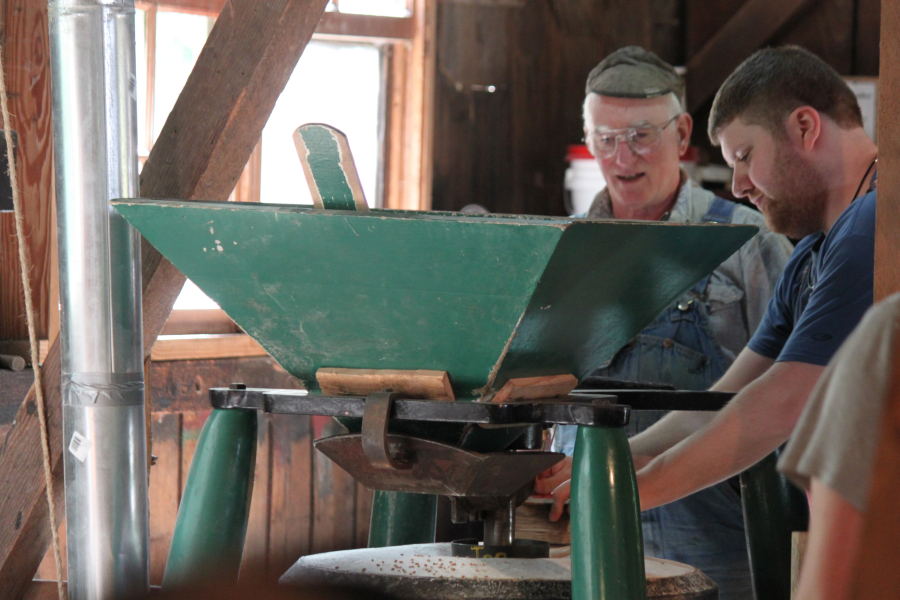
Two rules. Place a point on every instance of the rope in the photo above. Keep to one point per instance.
(25, 262)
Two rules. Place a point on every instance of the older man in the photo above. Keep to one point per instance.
(793, 131)
(636, 127)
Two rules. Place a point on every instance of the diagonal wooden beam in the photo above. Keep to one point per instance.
(754, 24)
(201, 151)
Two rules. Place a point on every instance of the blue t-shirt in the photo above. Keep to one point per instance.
(824, 291)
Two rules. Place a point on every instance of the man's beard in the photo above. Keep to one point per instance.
(799, 208)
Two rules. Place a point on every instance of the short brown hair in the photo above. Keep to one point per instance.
(773, 82)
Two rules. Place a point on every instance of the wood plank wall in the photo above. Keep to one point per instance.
(302, 503)
(506, 149)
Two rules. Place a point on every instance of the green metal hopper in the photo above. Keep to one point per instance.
(485, 298)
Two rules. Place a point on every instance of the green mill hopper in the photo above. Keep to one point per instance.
(486, 298)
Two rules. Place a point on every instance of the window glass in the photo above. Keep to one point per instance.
(334, 83)
(179, 39)
(386, 8)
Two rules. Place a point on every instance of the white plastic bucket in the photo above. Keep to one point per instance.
(582, 181)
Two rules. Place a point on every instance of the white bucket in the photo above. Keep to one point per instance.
(582, 181)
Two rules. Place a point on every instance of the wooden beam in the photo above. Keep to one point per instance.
(204, 145)
(344, 25)
(200, 347)
(755, 23)
(875, 575)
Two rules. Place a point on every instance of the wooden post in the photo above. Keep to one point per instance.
(201, 152)
(876, 575)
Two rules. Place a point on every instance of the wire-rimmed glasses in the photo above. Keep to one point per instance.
(603, 143)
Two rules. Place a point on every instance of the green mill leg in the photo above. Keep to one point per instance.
(607, 547)
(773, 509)
(212, 519)
(399, 518)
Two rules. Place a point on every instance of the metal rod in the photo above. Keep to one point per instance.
(500, 526)
(92, 47)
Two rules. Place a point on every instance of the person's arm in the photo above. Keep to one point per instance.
(835, 529)
(678, 425)
(663, 435)
(753, 424)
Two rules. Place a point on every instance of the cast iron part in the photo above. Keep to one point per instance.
(436, 468)
(472, 548)
(598, 408)
(374, 433)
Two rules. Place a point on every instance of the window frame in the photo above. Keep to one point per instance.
(408, 70)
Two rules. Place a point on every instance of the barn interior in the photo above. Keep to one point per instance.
(446, 104)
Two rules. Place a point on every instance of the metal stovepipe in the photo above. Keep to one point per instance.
(92, 52)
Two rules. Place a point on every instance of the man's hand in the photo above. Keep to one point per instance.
(557, 481)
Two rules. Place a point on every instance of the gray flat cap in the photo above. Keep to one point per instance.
(632, 72)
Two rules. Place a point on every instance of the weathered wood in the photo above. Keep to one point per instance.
(533, 523)
(256, 545)
(177, 386)
(530, 388)
(366, 26)
(826, 29)
(165, 488)
(756, 22)
(291, 499)
(334, 500)
(328, 165)
(24, 515)
(703, 18)
(13, 363)
(42, 590)
(26, 54)
(887, 226)
(200, 347)
(875, 576)
(201, 151)
(47, 568)
(364, 499)
(867, 35)
(199, 322)
(433, 385)
(409, 178)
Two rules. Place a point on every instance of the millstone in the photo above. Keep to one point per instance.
(429, 571)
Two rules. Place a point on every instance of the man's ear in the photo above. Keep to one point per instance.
(804, 126)
(683, 127)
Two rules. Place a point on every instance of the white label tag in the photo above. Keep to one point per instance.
(79, 446)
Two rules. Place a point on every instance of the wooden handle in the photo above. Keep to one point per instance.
(329, 168)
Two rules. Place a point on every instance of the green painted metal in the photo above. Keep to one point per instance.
(399, 519)
(485, 298)
(212, 519)
(607, 547)
(773, 509)
(324, 160)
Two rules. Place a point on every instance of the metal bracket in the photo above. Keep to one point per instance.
(376, 415)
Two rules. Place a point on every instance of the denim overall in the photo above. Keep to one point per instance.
(706, 529)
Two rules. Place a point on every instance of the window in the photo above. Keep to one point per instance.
(355, 50)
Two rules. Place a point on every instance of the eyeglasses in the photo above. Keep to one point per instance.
(603, 143)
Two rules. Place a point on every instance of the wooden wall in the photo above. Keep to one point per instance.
(302, 502)
(506, 149)
(26, 57)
